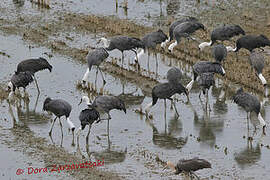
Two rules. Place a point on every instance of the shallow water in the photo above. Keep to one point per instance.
(135, 140)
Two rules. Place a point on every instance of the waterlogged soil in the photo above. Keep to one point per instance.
(139, 146)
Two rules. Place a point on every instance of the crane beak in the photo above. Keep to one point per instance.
(80, 102)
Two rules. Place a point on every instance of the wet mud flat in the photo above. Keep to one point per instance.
(65, 23)
(140, 146)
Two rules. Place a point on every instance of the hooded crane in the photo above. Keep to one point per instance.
(87, 117)
(105, 104)
(59, 108)
(250, 42)
(33, 66)
(256, 60)
(189, 166)
(22, 79)
(184, 30)
(222, 33)
(205, 67)
(165, 91)
(123, 43)
(95, 57)
(174, 75)
(174, 24)
(251, 104)
(219, 52)
(151, 40)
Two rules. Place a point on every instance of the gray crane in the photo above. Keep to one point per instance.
(185, 30)
(105, 104)
(189, 166)
(19, 79)
(151, 40)
(222, 33)
(250, 42)
(204, 67)
(256, 60)
(176, 23)
(87, 117)
(174, 75)
(95, 57)
(122, 43)
(165, 91)
(33, 66)
(219, 52)
(59, 108)
(250, 103)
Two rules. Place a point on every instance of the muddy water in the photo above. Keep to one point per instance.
(135, 140)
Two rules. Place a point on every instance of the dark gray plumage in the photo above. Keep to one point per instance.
(205, 67)
(33, 66)
(219, 52)
(88, 117)
(107, 103)
(176, 23)
(250, 42)
(256, 60)
(250, 103)
(95, 57)
(123, 43)
(59, 108)
(205, 81)
(185, 30)
(191, 165)
(165, 91)
(21, 79)
(151, 40)
(222, 33)
(174, 75)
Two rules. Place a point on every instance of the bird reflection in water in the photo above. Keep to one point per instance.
(108, 155)
(249, 155)
(167, 140)
(207, 127)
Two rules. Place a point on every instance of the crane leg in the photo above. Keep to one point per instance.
(104, 82)
(248, 116)
(96, 78)
(50, 132)
(36, 84)
(87, 137)
(174, 107)
(156, 65)
(165, 107)
(148, 66)
(171, 104)
(122, 59)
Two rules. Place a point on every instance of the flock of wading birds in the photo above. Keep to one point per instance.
(203, 73)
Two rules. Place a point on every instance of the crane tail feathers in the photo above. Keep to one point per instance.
(260, 118)
(263, 80)
(71, 125)
(189, 86)
(85, 77)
